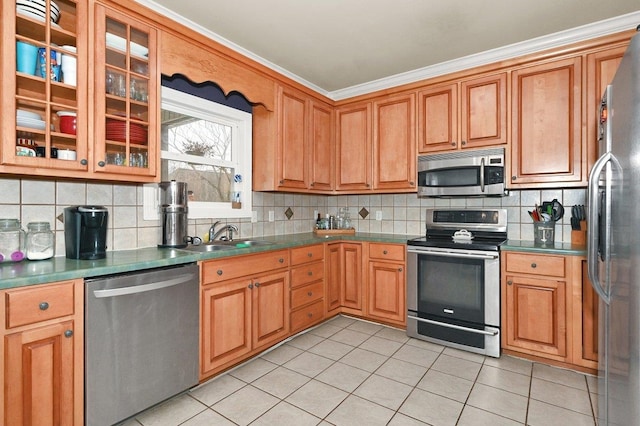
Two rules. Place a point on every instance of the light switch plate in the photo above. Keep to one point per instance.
(378, 214)
(272, 216)
(254, 216)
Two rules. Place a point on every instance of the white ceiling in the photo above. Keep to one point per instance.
(340, 47)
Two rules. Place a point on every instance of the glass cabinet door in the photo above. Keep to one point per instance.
(47, 98)
(126, 105)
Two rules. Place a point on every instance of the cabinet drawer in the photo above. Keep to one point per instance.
(303, 295)
(40, 303)
(307, 273)
(234, 267)
(387, 251)
(307, 316)
(306, 254)
(538, 265)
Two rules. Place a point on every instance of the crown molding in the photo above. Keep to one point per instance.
(562, 38)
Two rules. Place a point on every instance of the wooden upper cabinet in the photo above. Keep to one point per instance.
(321, 140)
(438, 118)
(467, 114)
(394, 143)
(293, 150)
(353, 147)
(601, 68)
(546, 142)
(483, 111)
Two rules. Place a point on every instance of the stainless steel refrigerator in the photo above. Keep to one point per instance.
(614, 244)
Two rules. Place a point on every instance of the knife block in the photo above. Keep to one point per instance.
(579, 236)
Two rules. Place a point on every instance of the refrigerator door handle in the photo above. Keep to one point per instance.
(592, 225)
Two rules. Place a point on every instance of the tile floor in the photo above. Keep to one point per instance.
(352, 372)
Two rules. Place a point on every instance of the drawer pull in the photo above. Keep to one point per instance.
(68, 333)
(310, 273)
(533, 265)
(384, 252)
(219, 272)
(509, 282)
(310, 254)
(310, 294)
(281, 260)
(44, 306)
(310, 315)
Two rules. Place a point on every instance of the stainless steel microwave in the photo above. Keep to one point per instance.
(462, 174)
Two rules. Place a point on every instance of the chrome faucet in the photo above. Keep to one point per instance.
(212, 230)
(229, 229)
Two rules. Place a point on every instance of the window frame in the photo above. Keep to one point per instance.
(241, 155)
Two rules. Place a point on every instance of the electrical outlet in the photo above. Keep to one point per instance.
(272, 215)
(254, 216)
(315, 214)
(378, 214)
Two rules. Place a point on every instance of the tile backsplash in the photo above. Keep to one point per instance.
(33, 200)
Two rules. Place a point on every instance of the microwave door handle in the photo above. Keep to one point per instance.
(593, 224)
(482, 175)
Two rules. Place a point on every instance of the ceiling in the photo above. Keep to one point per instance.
(338, 45)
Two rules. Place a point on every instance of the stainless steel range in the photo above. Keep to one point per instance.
(453, 279)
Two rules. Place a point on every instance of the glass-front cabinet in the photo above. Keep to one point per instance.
(45, 120)
(126, 110)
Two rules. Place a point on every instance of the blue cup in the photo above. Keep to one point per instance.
(26, 57)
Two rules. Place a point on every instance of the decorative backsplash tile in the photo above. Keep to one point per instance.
(37, 200)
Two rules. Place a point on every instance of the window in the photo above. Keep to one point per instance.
(208, 146)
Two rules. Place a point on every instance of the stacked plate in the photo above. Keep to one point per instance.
(119, 43)
(117, 131)
(29, 119)
(38, 9)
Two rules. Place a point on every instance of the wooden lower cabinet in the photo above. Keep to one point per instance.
(386, 299)
(241, 316)
(43, 361)
(344, 278)
(307, 286)
(549, 309)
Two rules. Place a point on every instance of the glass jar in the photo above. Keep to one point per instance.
(40, 241)
(11, 241)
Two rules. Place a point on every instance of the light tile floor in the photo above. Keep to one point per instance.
(352, 372)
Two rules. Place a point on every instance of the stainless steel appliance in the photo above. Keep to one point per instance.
(141, 341)
(453, 279)
(614, 244)
(85, 232)
(465, 173)
(174, 211)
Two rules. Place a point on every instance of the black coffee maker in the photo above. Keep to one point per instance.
(85, 232)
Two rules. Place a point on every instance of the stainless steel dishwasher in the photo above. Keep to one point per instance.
(141, 341)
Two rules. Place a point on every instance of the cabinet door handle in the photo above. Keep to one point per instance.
(68, 333)
(509, 282)
(84, 162)
(412, 183)
(219, 272)
(43, 306)
(463, 143)
(399, 269)
(250, 286)
(453, 143)
(257, 285)
(513, 178)
(533, 265)
(101, 163)
(313, 183)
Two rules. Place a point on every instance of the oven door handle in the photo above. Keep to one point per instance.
(482, 175)
(450, 254)
(457, 327)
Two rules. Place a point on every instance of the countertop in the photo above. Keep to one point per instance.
(60, 268)
(565, 249)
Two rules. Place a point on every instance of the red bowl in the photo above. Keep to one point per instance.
(67, 123)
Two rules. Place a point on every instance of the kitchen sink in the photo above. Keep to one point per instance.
(227, 245)
(242, 243)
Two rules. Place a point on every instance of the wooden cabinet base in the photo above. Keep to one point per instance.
(548, 361)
